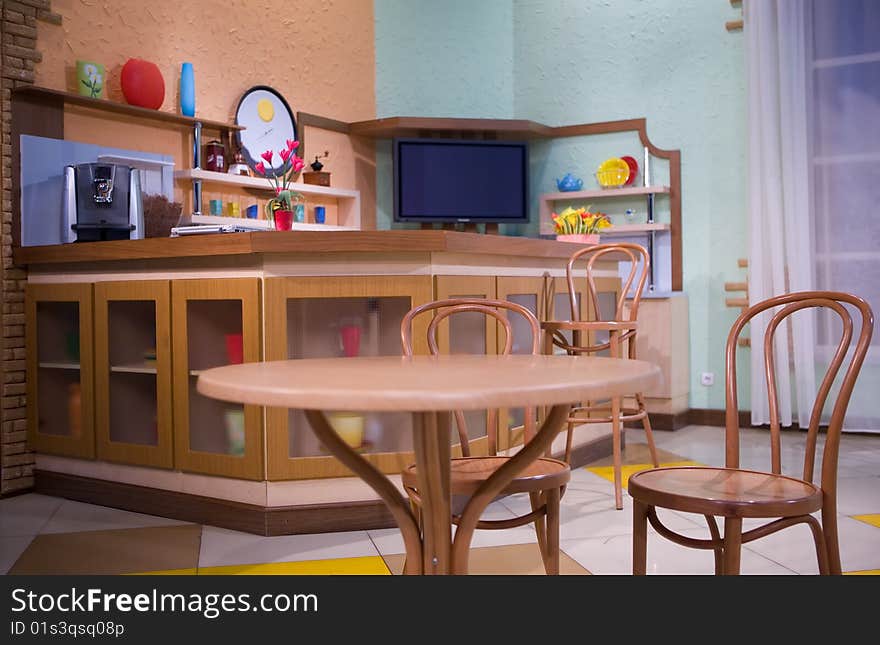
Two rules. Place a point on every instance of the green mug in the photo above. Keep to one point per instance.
(90, 79)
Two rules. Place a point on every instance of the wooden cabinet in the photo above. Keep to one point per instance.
(133, 419)
(215, 322)
(313, 317)
(60, 369)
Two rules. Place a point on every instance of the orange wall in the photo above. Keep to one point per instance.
(318, 53)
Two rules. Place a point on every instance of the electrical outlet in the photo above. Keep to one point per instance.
(707, 378)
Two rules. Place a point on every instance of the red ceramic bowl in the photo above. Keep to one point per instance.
(633, 170)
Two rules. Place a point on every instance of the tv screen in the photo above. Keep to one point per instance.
(447, 180)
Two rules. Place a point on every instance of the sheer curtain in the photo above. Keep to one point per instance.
(814, 184)
(780, 244)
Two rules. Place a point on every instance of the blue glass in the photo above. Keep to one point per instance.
(299, 213)
(319, 214)
(187, 90)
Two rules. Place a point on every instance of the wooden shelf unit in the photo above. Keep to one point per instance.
(348, 202)
(70, 98)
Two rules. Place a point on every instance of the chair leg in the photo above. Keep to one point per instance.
(719, 552)
(832, 544)
(551, 561)
(649, 434)
(615, 439)
(821, 546)
(569, 435)
(537, 500)
(410, 568)
(640, 538)
(732, 545)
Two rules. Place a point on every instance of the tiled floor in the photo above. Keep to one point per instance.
(41, 534)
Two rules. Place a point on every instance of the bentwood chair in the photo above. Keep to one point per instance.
(769, 498)
(544, 479)
(621, 330)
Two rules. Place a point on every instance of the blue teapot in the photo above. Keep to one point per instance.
(569, 183)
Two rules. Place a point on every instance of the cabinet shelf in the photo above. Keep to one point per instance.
(134, 369)
(59, 365)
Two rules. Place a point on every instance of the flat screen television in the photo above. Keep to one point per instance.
(451, 180)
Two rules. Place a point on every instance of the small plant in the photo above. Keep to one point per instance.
(285, 198)
(574, 221)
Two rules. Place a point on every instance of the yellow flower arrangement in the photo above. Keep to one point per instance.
(579, 220)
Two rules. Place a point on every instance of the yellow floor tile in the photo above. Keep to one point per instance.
(509, 559)
(638, 453)
(630, 469)
(366, 566)
(873, 519)
(867, 572)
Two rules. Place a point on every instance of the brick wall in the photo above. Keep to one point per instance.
(18, 44)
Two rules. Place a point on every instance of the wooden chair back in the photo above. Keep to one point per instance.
(791, 303)
(640, 264)
(497, 309)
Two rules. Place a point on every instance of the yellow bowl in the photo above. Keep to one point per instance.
(612, 172)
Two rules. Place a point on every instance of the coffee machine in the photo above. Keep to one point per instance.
(101, 201)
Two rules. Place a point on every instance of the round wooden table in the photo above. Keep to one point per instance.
(431, 387)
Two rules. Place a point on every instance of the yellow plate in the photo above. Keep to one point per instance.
(613, 172)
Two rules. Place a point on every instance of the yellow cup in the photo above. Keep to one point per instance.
(349, 426)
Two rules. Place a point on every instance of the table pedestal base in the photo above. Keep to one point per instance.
(430, 549)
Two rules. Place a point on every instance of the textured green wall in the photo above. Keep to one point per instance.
(576, 61)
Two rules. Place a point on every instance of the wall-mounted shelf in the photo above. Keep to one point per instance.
(605, 192)
(634, 229)
(409, 126)
(122, 108)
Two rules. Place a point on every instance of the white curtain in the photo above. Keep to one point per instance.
(780, 244)
(813, 78)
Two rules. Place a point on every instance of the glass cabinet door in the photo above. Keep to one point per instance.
(338, 317)
(133, 418)
(60, 377)
(215, 322)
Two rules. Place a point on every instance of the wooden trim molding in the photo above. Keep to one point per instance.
(250, 518)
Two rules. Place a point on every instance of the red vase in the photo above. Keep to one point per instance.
(283, 220)
(142, 84)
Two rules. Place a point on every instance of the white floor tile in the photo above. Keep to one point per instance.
(390, 542)
(75, 516)
(613, 556)
(10, 550)
(26, 514)
(793, 547)
(858, 495)
(224, 547)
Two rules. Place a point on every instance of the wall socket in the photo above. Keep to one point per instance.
(707, 378)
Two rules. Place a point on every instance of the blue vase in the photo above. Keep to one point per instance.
(187, 90)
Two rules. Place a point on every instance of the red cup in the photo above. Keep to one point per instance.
(235, 348)
(283, 220)
(351, 339)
